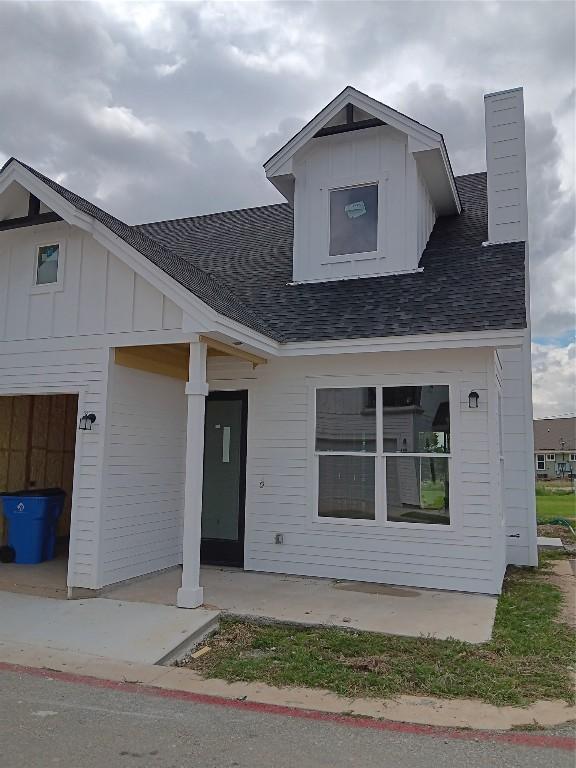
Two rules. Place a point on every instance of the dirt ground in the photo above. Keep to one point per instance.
(563, 575)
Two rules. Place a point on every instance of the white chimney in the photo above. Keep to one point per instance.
(506, 165)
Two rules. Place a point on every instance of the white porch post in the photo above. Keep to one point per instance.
(190, 594)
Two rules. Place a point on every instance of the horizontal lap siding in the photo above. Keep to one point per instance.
(144, 475)
(84, 371)
(279, 492)
(518, 491)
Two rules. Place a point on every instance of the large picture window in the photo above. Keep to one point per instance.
(383, 454)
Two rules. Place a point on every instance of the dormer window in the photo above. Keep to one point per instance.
(47, 264)
(354, 220)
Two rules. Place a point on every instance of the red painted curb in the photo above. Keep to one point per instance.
(517, 738)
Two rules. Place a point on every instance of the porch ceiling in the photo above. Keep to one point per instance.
(173, 359)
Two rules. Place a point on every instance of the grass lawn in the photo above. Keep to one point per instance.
(552, 505)
(527, 659)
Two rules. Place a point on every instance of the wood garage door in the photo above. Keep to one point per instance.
(37, 441)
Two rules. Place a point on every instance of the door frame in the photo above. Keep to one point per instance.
(225, 551)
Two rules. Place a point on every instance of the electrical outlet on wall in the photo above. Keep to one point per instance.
(279, 538)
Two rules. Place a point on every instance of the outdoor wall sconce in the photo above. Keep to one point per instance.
(86, 421)
(473, 399)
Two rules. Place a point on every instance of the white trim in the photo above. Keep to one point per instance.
(425, 138)
(380, 501)
(206, 319)
(58, 284)
(399, 343)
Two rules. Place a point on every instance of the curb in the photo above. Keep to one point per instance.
(420, 711)
(542, 741)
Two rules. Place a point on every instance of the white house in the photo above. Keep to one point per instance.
(335, 386)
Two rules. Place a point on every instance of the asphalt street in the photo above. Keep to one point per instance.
(47, 722)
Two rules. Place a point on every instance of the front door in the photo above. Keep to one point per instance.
(224, 488)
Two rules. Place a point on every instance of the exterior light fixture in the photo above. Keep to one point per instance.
(86, 421)
(473, 399)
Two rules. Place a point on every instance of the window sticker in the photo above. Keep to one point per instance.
(354, 210)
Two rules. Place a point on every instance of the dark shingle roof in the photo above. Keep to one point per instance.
(240, 264)
(464, 286)
(555, 434)
(184, 271)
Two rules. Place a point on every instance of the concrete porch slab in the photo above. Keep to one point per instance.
(548, 542)
(136, 632)
(312, 601)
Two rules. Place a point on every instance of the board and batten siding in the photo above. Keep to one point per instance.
(518, 474)
(405, 213)
(99, 293)
(280, 487)
(144, 472)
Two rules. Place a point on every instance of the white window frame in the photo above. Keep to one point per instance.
(550, 457)
(540, 462)
(380, 456)
(58, 284)
(573, 457)
(349, 182)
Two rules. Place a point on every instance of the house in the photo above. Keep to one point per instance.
(555, 448)
(335, 386)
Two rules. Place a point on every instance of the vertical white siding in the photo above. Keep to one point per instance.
(99, 294)
(361, 157)
(279, 482)
(426, 214)
(143, 493)
(518, 479)
(82, 371)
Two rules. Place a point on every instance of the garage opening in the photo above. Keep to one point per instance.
(37, 449)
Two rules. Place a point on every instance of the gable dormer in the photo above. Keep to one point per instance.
(366, 184)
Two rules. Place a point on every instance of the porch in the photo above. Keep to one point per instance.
(295, 599)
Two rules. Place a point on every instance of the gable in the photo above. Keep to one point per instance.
(96, 292)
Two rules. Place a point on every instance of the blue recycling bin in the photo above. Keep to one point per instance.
(32, 520)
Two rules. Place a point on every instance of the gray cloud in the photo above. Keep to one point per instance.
(159, 111)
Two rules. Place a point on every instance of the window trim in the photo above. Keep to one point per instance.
(58, 284)
(550, 457)
(337, 183)
(381, 512)
(540, 461)
(573, 457)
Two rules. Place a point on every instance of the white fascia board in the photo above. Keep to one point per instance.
(350, 96)
(420, 137)
(504, 338)
(205, 318)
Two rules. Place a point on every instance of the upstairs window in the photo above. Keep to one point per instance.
(47, 264)
(354, 220)
(540, 462)
(550, 457)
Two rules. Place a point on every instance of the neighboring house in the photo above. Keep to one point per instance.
(338, 385)
(555, 448)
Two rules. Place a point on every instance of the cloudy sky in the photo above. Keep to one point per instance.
(161, 110)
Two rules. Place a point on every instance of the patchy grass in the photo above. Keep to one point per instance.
(527, 659)
(550, 506)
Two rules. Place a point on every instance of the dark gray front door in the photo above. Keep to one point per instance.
(224, 489)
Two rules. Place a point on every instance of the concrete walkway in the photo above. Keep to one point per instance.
(354, 605)
(137, 632)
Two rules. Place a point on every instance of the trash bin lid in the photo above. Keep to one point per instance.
(36, 492)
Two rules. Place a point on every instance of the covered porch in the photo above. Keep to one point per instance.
(294, 599)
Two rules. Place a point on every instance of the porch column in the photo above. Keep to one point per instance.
(190, 594)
